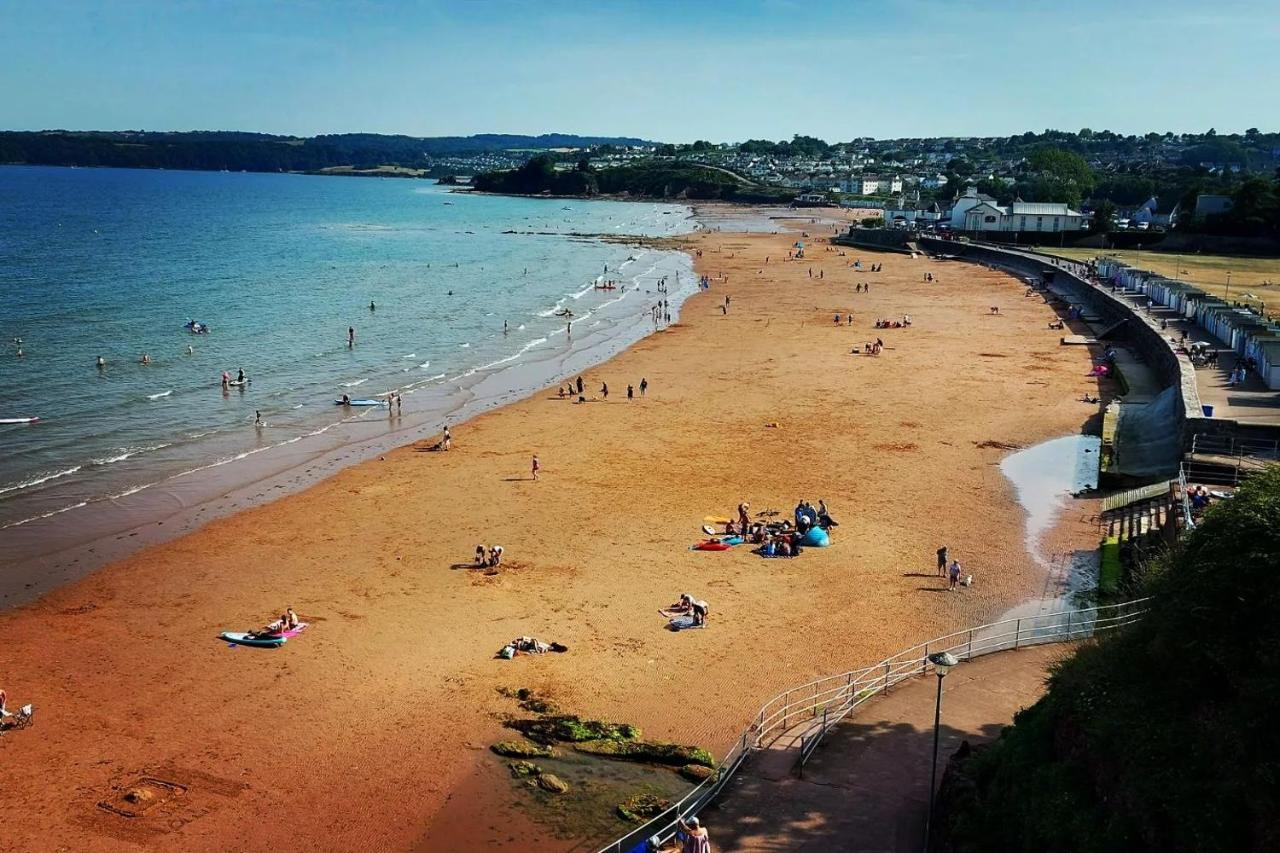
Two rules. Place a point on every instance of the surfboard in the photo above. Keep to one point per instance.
(18, 420)
(242, 639)
(361, 403)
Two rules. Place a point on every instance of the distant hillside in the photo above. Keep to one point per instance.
(646, 179)
(259, 152)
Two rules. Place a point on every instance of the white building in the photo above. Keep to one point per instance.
(1022, 216)
(969, 199)
(905, 214)
(877, 185)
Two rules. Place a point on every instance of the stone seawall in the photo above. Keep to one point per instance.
(1171, 424)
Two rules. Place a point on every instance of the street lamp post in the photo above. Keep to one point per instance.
(942, 663)
(1228, 296)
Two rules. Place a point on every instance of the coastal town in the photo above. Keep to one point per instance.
(769, 439)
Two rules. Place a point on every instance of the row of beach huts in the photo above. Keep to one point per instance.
(1250, 335)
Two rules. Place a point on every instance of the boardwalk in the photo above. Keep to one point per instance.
(866, 787)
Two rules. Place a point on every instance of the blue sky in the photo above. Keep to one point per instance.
(673, 71)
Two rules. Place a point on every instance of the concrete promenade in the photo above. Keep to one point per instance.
(866, 788)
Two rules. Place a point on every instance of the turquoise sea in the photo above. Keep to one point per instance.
(114, 263)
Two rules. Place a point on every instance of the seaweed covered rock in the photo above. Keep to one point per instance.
(651, 752)
(530, 700)
(522, 749)
(642, 807)
(552, 783)
(524, 769)
(697, 772)
(570, 728)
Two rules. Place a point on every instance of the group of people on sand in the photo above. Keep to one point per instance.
(872, 347)
(491, 558)
(951, 570)
(780, 538)
(894, 324)
(862, 287)
(577, 386)
(687, 607)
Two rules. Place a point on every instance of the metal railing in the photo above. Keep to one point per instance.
(806, 713)
(1239, 448)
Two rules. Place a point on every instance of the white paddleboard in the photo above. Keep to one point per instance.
(18, 420)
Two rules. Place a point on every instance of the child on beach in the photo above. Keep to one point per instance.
(536, 467)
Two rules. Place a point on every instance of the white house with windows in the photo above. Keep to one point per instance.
(1022, 216)
(877, 185)
(965, 202)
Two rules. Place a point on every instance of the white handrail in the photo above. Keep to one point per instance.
(834, 697)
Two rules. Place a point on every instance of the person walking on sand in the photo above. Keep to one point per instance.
(631, 392)
(604, 390)
(696, 839)
(644, 385)
(953, 574)
(536, 466)
(579, 383)
(447, 439)
(942, 561)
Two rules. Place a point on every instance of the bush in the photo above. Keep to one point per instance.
(1159, 737)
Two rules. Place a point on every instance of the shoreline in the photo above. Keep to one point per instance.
(905, 448)
(106, 529)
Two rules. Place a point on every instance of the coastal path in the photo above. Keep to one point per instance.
(866, 789)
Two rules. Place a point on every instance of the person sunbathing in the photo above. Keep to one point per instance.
(684, 605)
(530, 645)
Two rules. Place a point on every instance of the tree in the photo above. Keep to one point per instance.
(1102, 214)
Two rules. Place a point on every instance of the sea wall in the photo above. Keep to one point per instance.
(881, 239)
(1179, 415)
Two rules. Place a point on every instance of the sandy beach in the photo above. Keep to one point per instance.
(372, 727)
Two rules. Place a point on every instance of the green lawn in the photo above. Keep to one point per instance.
(1253, 280)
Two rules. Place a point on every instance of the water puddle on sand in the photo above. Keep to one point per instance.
(1045, 477)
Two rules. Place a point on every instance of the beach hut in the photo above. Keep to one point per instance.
(1267, 353)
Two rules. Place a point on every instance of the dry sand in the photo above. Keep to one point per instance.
(359, 732)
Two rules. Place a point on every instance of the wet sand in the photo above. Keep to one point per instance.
(358, 732)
